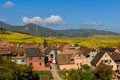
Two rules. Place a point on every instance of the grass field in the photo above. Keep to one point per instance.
(99, 40)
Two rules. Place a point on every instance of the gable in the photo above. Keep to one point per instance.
(106, 59)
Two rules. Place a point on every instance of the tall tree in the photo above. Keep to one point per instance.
(45, 43)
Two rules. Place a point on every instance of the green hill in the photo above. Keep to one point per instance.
(34, 29)
(99, 40)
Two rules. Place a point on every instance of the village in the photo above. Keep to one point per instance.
(65, 56)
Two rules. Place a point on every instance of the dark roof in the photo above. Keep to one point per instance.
(64, 59)
(33, 52)
(108, 49)
(115, 57)
(97, 58)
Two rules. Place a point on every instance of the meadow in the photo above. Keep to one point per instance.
(99, 40)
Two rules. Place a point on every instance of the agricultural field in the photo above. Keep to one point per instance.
(99, 40)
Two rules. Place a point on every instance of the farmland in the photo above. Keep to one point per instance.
(99, 40)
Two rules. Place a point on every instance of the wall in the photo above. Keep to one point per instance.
(37, 63)
(68, 67)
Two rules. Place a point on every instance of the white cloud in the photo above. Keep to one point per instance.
(36, 20)
(56, 20)
(52, 20)
(93, 23)
(8, 4)
(3, 20)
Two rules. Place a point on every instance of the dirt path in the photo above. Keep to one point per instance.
(54, 72)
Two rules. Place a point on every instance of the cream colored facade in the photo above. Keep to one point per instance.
(106, 59)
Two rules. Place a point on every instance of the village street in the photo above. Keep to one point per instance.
(54, 72)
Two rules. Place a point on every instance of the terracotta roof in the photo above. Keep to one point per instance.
(63, 47)
(33, 52)
(70, 51)
(64, 59)
(97, 58)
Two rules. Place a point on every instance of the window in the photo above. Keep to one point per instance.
(105, 55)
(118, 66)
(31, 64)
(21, 54)
(22, 60)
(77, 63)
(102, 61)
(14, 54)
(40, 63)
(106, 61)
(4, 45)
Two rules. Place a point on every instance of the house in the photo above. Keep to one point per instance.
(18, 55)
(50, 53)
(5, 45)
(35, 58)
(91, 56)
(108, 58)
(116, 59)
(71, 61)
(117, 50)
(5, 53)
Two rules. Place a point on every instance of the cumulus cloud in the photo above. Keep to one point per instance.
(3, 20)
(56, 20)
(93, 23)
(52, 20)
(36, 20)
(8, 4)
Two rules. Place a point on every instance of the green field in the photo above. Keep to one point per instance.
(99, 40)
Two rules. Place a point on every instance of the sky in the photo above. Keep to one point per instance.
(63, 14)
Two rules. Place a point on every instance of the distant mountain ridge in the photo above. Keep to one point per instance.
(46, 32)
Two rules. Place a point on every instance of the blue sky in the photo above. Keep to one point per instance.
(63, 14)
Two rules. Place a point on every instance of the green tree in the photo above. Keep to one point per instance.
(83, 73)
(105, 72)
(12, 71)
(45, 44)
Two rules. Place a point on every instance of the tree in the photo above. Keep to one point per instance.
(12, 71)
(45, 43)
(81, 74)
(76, 45)
(104, 72)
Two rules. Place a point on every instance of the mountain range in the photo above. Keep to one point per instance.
(34, 29)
